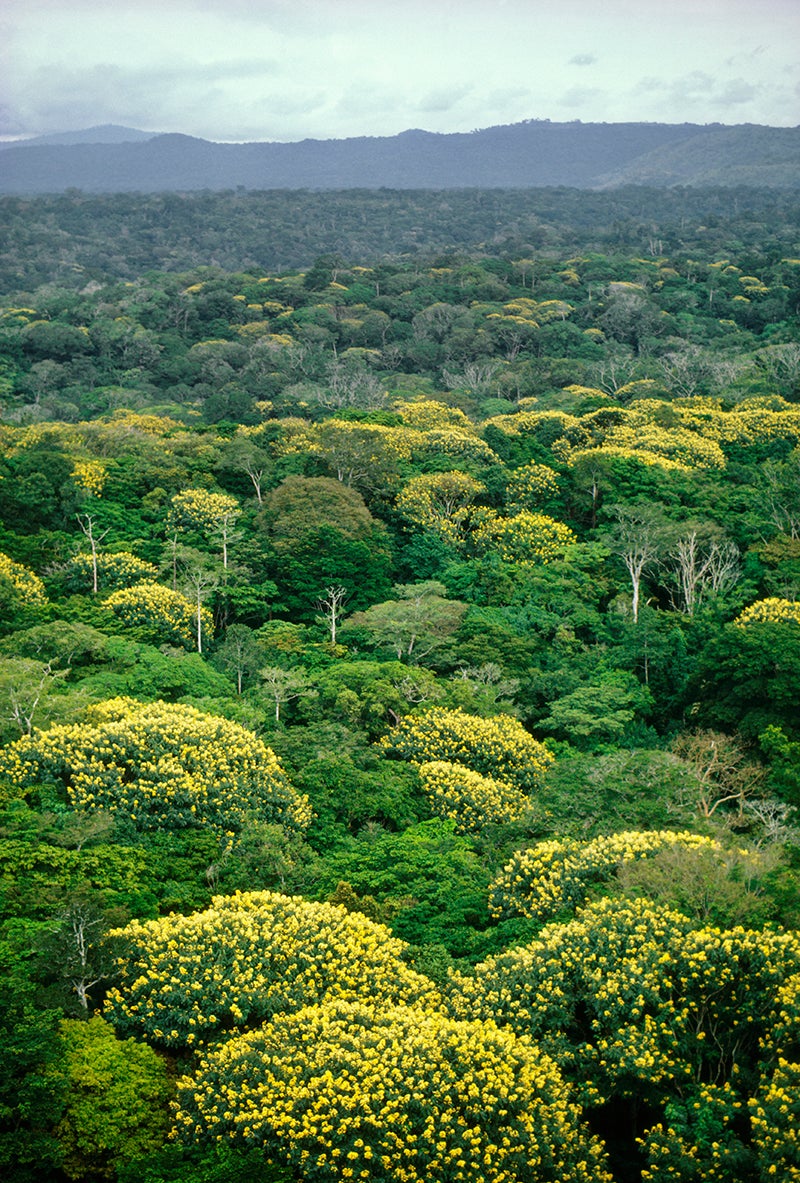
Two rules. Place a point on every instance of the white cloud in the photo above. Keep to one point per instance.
(286, 69)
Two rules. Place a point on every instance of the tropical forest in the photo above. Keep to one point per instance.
(400, 687)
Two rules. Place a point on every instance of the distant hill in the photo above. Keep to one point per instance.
(532, 154)
(745, 155)
(106, 133)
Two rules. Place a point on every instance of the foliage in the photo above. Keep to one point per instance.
(118, 570)
(498, 747)
(524, 538)
(558, 874)
(469, 799)
(415, 625)
(31, 1086)
(771, 610)
(162, 766)
(115, 1103)
(599, 711)
(161, 613)
(345, 1091)
(22, 581)
(184, 980)
(557, 485)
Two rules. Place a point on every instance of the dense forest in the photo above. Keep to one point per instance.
(400, 688)
(72, 239)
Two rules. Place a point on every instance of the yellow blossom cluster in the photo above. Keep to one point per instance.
(188, 980)
(166, 614)
(374, 440)
(632, 1000)
(557, 874)
(772, 610)
(201, 509)
(441, 502)
(524, 538)
(578, 456)
(468, 798)
(456, 443)
(529, 484)
(120, 569)
(428, 414)
(90, 475)
(697, 429)
(433, 427)
(544, 425)
(675, 444)
(399, 1095)
(135, 421)
(775, 1121)
(499, 747)
(161, 765)
(23, 581)
(754, 420)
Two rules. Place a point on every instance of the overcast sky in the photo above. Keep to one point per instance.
(290, 69)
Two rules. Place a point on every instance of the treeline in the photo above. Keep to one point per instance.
(399, 669)
(76, 238)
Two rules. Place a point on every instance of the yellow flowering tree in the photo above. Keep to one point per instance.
(639, 1006)
(360, 455)
(401, 1095)
(161, 765)
(90, 476)
(441, 502)
(117, 570)
(559, 873)
(163, 614)
(22, 582)
(425, 414)
(529, 485)
(775, 1122)
(208, 512)
(187, 980)
(682, 447)
(499, 747)
(469, 799)
(524, 538)
(745, 1128)
(772, 610)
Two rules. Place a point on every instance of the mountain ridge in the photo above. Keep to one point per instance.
(529, 154)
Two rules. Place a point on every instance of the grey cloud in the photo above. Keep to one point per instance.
(367, 97)
(696, 85)
(581, 96)
(583, 59)
(10, 122)
(648, 84)
(508, 95)
(738, 59)
(175, 97)
(443, 100)
(737, 91)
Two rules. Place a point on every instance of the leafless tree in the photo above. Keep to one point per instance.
(637, 540)
(87, 525)
(331, 607)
